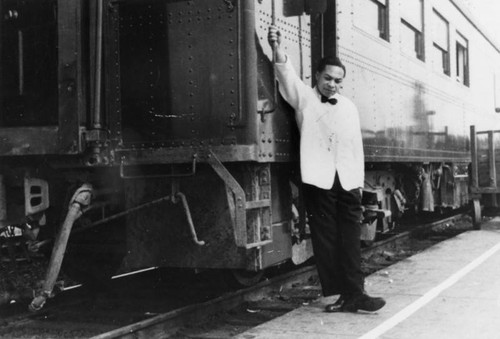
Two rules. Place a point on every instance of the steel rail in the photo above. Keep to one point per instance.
(158, 326)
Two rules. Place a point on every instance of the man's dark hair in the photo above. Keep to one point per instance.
(329, 60)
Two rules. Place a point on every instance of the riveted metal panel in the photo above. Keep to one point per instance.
(179, 70)
(302, 41)
(296, 35)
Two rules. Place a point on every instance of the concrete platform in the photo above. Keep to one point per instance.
(452, 290)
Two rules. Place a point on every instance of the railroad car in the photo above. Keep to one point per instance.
(152, 134)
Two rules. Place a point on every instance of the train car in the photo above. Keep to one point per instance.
(151, 133)
(431, 71)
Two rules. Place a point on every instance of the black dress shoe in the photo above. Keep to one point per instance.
(337, 305)
(363, 302)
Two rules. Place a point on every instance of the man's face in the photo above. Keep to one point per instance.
(328, 81)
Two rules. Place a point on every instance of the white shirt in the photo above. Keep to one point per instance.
(330, 135)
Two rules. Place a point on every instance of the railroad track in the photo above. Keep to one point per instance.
(150, 309)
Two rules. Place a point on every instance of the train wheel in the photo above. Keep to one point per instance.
(476, 214)
(246, 278)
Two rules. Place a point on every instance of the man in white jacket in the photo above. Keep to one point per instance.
(332, 170)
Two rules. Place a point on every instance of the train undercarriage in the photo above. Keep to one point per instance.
(243, 217)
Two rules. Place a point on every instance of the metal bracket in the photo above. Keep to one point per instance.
(36, 195)
(240, 224)
(240, 205)
(185, 205)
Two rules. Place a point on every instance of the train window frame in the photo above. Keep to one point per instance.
(408, 22)
(381, 21)
(442, 47)
(462, 60)
(419, 40)
(496, 92)
(383, 18)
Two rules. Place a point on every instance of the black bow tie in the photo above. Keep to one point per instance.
(332, 101)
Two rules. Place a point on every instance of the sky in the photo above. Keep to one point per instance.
(488, 12)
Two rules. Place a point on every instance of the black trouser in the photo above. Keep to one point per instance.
(334, 219)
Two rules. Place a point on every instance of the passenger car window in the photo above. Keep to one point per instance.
(412, 18)
(441, 44)
(372, 16)
(462, 52)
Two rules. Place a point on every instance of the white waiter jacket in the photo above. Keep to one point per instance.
(330, 135)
